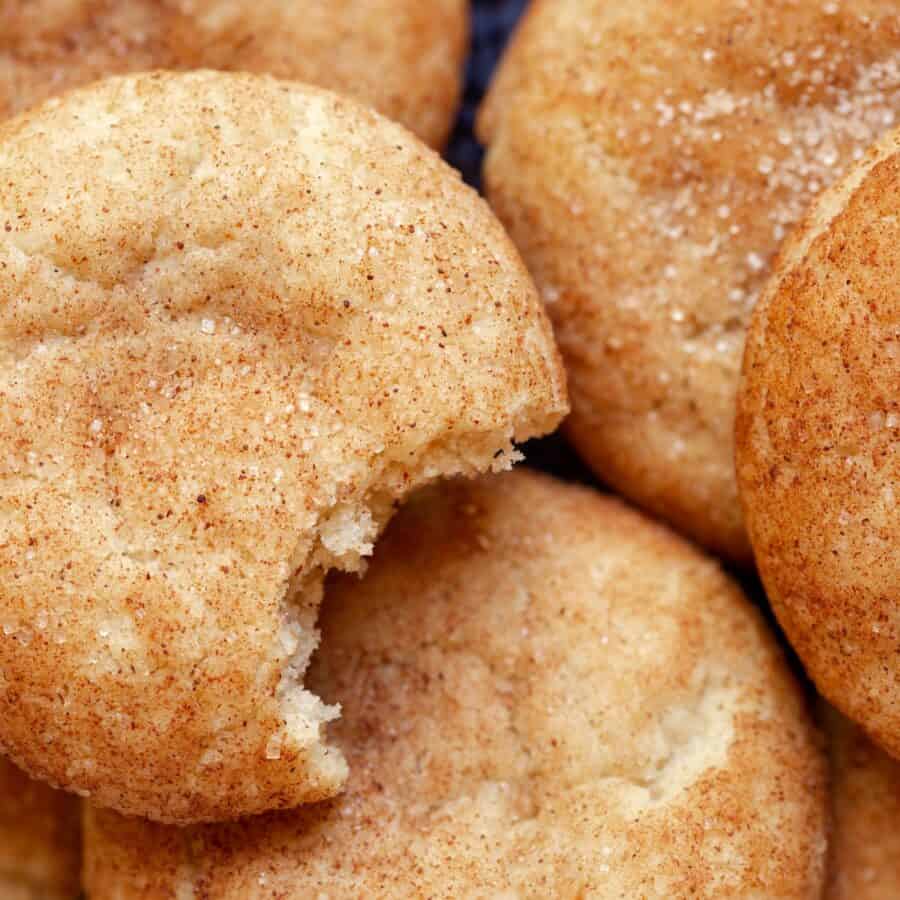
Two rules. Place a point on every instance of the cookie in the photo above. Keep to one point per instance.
(240, 319)
(818, 442)
(544, 695)
(648, 158)
(864, 847)
(403, 57)
(40, 856)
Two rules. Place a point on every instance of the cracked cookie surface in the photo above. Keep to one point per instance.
(239, 320)
(544, 695)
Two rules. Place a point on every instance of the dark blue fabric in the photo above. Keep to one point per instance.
(492, 23)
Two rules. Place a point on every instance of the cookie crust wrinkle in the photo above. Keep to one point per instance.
(818, 446)
(418, 50)
(239, 320)
(648, 159)
(544, 695)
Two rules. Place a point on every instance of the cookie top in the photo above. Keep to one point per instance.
(403, 57)
(239, 320)
(818, 441)
(863, 843)
(40, 853)
(648, 158)
(544, 695)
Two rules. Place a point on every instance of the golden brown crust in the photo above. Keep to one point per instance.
(544, 695)
(864, 844)
(239, 320)
(818, 442)
(403, 57)
(647, 157)
(40, 853)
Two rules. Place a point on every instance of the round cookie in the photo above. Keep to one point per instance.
(864, 844)
(240, 319)
(818, 442)
(40, 856)
(403, 57)
(544, 695)
(647, 158)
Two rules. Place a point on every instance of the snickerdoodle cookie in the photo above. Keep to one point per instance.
(818, 442)
(240, 319)
(403, 57)
(544, 695)
(40, 855)
(648, 157)
(864, 842)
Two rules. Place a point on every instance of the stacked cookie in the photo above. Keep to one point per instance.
(50, 46)
(661, 166)
(543, 694)
(271, 602)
